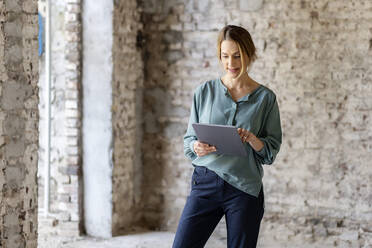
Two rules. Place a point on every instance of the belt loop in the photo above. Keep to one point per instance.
(205, 170)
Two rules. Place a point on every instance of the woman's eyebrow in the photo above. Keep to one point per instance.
(232, 53)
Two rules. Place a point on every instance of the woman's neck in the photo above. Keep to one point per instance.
(244, 82)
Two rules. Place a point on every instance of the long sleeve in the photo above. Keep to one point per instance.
(271, 136)
(190, 137)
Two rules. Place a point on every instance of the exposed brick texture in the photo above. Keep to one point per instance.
(65, 166)
(316, 56)
(127, 87)
(19, 118)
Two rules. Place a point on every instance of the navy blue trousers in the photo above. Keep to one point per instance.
(210, 199)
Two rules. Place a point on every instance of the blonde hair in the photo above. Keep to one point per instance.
(244, 41)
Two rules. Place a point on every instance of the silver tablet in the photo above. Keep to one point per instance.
(225, 138)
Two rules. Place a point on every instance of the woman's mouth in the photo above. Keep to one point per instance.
(233, 70)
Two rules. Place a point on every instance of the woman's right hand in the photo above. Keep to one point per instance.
(202, 149)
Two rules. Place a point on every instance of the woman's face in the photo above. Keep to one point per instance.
(230, 58)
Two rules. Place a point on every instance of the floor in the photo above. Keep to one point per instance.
(271, 236)
(154, 240)
(140, 240)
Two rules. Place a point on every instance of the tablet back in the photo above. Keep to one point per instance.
(225, 138)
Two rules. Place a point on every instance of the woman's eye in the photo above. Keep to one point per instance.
(236, 56)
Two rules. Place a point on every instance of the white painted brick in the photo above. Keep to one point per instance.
(72, 94)
(72, 150)
(71, 17)
(72, 131)
(72, 141)
(73, 8)
(69, 104)
(72, 113)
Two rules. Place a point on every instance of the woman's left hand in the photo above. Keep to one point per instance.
(250, 138)
(245, 135)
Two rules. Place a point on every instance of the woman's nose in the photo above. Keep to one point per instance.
(230, 62)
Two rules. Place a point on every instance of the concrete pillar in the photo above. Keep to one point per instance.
(19, 118)
(112, 110)
(97, 128)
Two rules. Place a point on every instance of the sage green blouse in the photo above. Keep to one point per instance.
(257, 112)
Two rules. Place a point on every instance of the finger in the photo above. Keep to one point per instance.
(205, 151)
(243, 132)
(211, 149)
(202, 146)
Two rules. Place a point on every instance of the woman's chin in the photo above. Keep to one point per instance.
(233, 75)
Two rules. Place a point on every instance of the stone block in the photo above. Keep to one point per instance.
(73, 66)
(69, 170)
(251, 5)
(14, 148)
(72, 113)
(349, 236)
(75, 217)
(13, 28)
(13, 6)
(30, 7)
(67, 189)
(14, 176)
(29, 31)
(64, 198)
(73, 1)
(74, 27)
(62, 217)
(70, 104)
(73, 123)
(72, 95)
(72, 150)
(71, 17)
(72, 83)
(14, 95)
(72, 160)
(74, 8)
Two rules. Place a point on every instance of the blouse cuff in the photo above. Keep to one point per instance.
(262, 152)
(191, 145)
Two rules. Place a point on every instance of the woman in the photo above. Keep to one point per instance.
(223, 184)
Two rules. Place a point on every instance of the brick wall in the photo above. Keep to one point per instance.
(127, 84)
(19, 118)
(72, 200)
(316, 56)
(65, 166)
(58, 139)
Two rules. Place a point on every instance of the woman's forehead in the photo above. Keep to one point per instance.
(228, 46)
